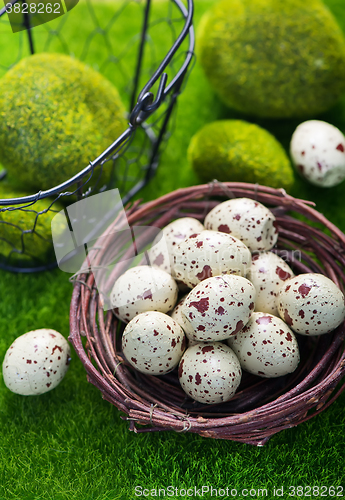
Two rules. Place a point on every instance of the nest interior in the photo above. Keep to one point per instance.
(261, 407)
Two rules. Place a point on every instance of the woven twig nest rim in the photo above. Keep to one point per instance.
(261, 407)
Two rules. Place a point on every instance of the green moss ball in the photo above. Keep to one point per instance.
(25, 232)
(235, 150)
(56, 114)
(273, 58)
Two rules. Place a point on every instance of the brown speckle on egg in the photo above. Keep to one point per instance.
(311, 304)
(266, 346)
(268, 272)
(210, 373)
(155, 290)
(26, 375)
(204, 319)
(161, 253)
(208, 254)
(317, 151)
(161, 342)
(247, 220)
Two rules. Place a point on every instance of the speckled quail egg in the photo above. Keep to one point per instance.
(143, 288)
(317, 149)
(161, 253)
(218, 307)
(210, 253)
(177, 316)
(153, 343)
(266, 346)
(311, 304)
(268, 273)
(210, 372)
(247, 220)
(36, 362)
(176, 312)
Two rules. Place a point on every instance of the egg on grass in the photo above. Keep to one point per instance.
(36, 362)
(317, 149)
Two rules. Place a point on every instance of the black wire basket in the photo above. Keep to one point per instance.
(149, 74)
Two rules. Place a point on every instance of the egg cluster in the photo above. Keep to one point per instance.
(242, 308)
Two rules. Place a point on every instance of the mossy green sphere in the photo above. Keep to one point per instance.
(235, 150)
(56, 114)
(273, 58)
(25, 232)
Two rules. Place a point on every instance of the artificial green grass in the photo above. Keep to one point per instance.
(70, 444)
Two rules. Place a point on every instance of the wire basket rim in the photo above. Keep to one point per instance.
(144, 107)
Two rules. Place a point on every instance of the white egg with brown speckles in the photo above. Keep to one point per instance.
(317, 150)
(176, 314)
(153, 343)
(268, 272)
(246, 219)
(218, 307)
(311, 304)
(161, 253)
(141, 289)
(210, 253)
(266, 346)
(210, 373)
(36, 362)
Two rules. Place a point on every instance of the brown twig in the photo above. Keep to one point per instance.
(261, 408)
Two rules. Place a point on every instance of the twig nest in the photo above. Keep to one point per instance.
(210, 372)
(161, 253)
(36, 362)
(218, 307)
(317, 150)
(268, 272)
(247, 220)
(266, 346)
(311, 304)
(141, 289)
(282, 403)
(153, 343)
(210, 253)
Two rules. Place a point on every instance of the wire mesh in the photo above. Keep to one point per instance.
(145, 50)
